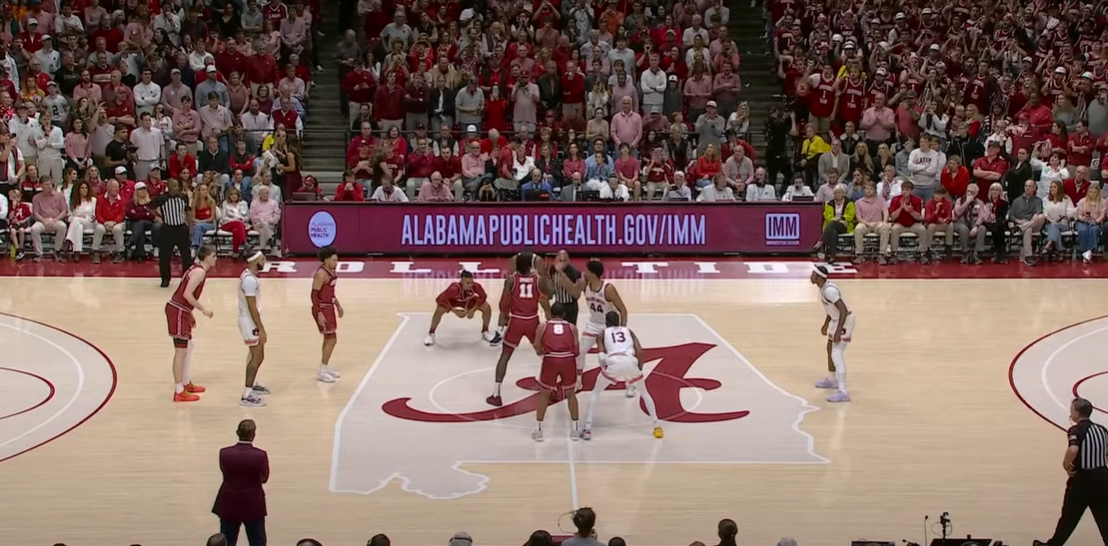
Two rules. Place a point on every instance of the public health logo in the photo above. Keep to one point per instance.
(322, 229)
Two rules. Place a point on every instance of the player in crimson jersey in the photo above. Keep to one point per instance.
(464, 298)
(326, 309)
(519, 302)
(556, 342)
(178, 314)
(544, 301)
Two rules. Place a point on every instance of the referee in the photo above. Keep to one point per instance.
(1086, 462)
(175, 212)
(568, 285)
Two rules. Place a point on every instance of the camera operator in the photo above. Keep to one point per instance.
(780, 125)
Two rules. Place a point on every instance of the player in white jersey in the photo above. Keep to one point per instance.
(621, 359)
(838, 326)
(601, 297)
(253, 331)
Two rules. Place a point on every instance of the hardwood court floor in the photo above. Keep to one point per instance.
(934, 425)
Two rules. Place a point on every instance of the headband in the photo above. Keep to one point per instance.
(255, 256)
(821, 272)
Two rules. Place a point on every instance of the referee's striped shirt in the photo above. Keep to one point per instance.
(1091, 441)
(172, 208)
(561, 295)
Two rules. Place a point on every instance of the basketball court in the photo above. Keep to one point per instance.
(960, 387)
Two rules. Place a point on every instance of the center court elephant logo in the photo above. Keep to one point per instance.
(419, 416)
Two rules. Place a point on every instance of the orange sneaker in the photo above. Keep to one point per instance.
(193, 388)
(185, 397)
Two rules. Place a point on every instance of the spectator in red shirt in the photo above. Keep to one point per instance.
(991, 168)
(906, 214)
(350, 189)
(310, 185)
(1080, 146)
(182, 159)
(360, 86)
(955, 178)
(420, 166)
(939, 216)
(388, 103)
(1077, 187)
(110, 209)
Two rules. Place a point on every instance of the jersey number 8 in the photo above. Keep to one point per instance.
(558, 329)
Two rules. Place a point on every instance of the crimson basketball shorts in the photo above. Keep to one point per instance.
(558, 373)
(330, 323)
(518, 329)
(180, 324)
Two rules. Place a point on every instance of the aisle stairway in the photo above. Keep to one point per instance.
(757, 69)
(324, 142)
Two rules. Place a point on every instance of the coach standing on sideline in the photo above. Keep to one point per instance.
(1086, 462)
(568, 285)
(241, 498)
(175, 213)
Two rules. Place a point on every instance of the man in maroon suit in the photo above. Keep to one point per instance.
(241, 498)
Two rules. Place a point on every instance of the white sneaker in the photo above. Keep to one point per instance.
(252, 402)
(260, 389)
(631, 391)
(536, 435)
(332, 372)
(429, 340)
(486, 336)
(324, 377)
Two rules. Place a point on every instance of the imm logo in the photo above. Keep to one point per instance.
(783, 228)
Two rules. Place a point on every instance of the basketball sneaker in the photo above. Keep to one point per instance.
(496, 339)
(194, 388)
(839, 396)
(185, 396)
(487, 336)
(324, 377)
(260, 389)
(252, 402)
(631, 391)
(827, 383)
(586, 434)
(536, 435)
(331, 372)
(658, 432)
(429, 340)
(494, 400)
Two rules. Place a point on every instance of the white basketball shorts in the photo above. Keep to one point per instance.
(848, 328)
(249, 331)
(593, 329)
(621, 368)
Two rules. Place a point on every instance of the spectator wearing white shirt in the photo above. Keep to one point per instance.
(169, 21)
(614, 191)
(679, 189)
(387, 193)
(24, 130)
(49, 59)
(798, 189)
(198, 59)
(256, 124)
(718, 191)
(925, 164)
(760, 189)
(50, 144)
(653, 83)
(147, 94)
(67, 22)
(697, 29)
(149, 144)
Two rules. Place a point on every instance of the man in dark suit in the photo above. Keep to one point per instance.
(241, 498)
(441, 105)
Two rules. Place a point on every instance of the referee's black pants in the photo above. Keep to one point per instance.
(173, 237)
(571, 311)
(1085, 489)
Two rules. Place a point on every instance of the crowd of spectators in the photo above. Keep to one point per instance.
(103, 101)
(952, 122)
(547, 99)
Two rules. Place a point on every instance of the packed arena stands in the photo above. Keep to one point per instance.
(962, 127)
